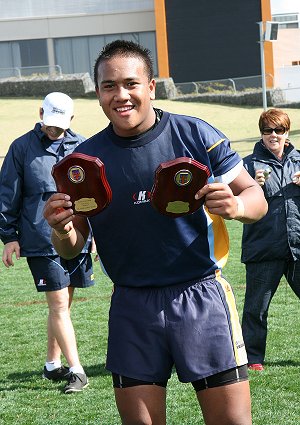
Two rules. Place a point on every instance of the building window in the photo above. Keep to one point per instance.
(74, 55)
(33, 52)
(78, 54)
(23, 57)
(287, 20)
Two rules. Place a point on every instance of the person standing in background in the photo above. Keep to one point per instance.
(271, 246)
(25, 185)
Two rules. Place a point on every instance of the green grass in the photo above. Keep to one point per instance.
(26, 399)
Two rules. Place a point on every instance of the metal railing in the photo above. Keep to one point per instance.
(19, 72)
(277, 95)
(232, 85)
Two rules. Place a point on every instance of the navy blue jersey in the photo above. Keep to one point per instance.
(137, 245)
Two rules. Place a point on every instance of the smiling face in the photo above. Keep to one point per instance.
(125, 94)
(274, 126)
(276, 140)
(53, 133)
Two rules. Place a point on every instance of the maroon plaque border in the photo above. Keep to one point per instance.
(176, 183)
(83, 177)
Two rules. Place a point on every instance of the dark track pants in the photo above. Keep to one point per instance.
(262, 280)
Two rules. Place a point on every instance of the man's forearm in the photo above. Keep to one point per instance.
(254, 205)
(68, 244)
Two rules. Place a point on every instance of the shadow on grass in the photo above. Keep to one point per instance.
(29, 379)
(249, 140)
(283, 363)
(96, 370)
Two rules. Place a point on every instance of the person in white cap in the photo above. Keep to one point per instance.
(25, 185)
(57, 110)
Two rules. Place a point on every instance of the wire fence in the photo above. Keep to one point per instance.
(232, 85)
(285, 93)
(25, 71)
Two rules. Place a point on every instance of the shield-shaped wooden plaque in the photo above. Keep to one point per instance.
(176, 183)
(83, 178)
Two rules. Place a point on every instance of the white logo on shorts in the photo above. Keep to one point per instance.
(42, 282)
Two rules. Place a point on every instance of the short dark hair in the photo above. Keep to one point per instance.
(275, 116)
(124, 48)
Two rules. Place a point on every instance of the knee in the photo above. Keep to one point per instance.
(58, 304)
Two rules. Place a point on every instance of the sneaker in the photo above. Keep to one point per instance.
(58, 374)
(255, 366)
(76, 382)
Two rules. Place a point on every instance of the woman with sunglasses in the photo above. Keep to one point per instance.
(271, 246)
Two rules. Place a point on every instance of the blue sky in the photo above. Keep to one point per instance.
(285, 6)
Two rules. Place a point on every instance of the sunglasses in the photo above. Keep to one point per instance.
(269, 130)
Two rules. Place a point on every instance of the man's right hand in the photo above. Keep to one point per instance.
(9, 249)
(70, 231)
(58, 212)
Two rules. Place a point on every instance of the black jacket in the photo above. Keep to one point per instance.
(277, 235)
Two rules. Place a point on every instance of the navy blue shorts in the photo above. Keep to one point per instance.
(193, 327)
(53, 273)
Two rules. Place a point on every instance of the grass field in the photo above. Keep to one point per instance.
(26, 399)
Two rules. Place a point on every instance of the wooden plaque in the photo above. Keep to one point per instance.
(176, 183)
(83, 178)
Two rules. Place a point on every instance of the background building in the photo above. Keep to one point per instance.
(38, 33)
(286, 54)
(210, 40)
(191, 40)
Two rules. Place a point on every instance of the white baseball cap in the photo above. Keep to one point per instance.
(58, 110)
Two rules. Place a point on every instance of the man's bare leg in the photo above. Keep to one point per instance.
(142, 404)
(226, 405)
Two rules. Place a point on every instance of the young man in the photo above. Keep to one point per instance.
(170, 306)
(25, 185)
(271, 247)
